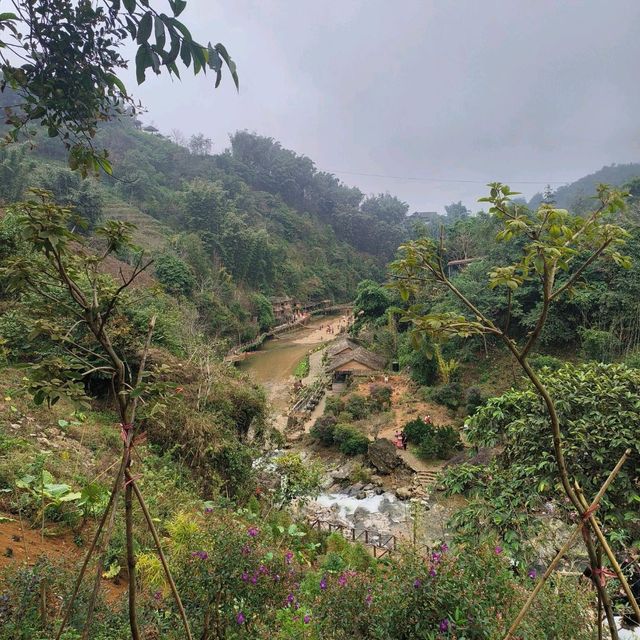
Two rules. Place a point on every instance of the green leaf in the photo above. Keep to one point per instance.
(144, 28)
(185, 53)
(178, 7)
(159, 32)
(129, 5)
(142, 57)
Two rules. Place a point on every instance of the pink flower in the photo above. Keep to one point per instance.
(432, 572)
(240, 618)
(444, 625)
(342, 580)
(253, 531)
(245, 576)
(323, 583)
(288, 557)
(307, 618)
(498, 550)
(532, 573)
(417, 583)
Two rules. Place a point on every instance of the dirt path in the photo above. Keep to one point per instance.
(20, 546)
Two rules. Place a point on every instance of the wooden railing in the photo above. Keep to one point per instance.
(381, 544)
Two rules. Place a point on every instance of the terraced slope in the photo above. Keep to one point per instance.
(150, 233)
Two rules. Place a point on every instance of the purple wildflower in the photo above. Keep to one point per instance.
(498, 550)
(432, 572)
(342, 580)
(436, 557)
(444, 625)
(240, 619)
(290, 598)
(323, 583)
(245, 576)
(262, 569)
(444, 547)
(246, 550)
(532, 573)
(288, 557)
(254, 578)
(203, 555)
(368, 599)
(307, 619)
(253, 531)
(276, 578)
(208, 510)
(417, 583)
(157, 595)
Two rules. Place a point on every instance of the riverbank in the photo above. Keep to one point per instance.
(273, 365)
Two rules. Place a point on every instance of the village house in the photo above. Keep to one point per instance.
(353, 362)
(282, 308)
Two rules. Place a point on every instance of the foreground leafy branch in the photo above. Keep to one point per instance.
(556, 249)
(62, 59)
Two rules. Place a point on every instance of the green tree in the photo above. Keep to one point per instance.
(174, 274)
(555, 249)
(599, 409)
(456, 211)
(263, 310)
(372, 300)
(65, 278)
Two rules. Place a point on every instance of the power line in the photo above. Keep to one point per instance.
(484, 182)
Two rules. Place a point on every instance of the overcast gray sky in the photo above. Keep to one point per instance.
(449, 91)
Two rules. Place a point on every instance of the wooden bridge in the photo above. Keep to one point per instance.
(380, 544)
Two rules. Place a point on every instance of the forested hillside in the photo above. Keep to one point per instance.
(578, 196)
(225, 230)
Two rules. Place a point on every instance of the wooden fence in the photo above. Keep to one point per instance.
(381, 544)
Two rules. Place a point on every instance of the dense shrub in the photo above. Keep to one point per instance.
(433, 442)
(598, 345)
(380, 396)
(449, 395)
(599, 409)
(416, 430)
(541, 361)
(323, 428)
(633, 360)
(441, 443)
(356, 405)
(422, 365)
(334, 405)
(350, 441)
(174, 274)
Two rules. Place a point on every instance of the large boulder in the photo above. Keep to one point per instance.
(383, 455)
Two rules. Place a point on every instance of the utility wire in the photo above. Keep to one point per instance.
(379, 175)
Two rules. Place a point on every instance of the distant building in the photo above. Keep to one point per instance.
(341, 347)
(352, 362)
(282, 308)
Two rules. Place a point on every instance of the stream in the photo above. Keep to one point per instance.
(368, 506)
